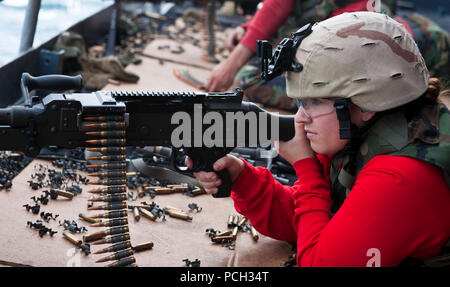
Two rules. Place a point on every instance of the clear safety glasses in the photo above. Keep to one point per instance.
(315, 107)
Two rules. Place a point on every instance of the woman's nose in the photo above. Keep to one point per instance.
(301, 116)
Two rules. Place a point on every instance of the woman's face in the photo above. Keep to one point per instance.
(322, 126)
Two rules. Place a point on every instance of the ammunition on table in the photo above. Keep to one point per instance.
(254, 233)
(106, 125)
(72, 238)
(63, 193)
(230, 221)
(110, 223)
(115, 247)
(89, 219)
(109, 206)
(108, 150)
(177, 185)
(107, 142)
(220, 239)
(158, 189)
(226, 233)
(110, 231)
(110, 198)
(115, 157)
(168, 207)
(109, 181)
(146, 207)
(143, 246)
(123, 262)
(113, 239)
(147, 214)
(109, 173)
(235, 231)
(116, 133)
(109, 165)
(178, 214)
(235, 220)
(197, 191)
(110, 189)
(140, 191)
(179, 188)
(112, 214)
(137, 216)
(90, 204)
(116, 256)
(103, 118)
(242, 222)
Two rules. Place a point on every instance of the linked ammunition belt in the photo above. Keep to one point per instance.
(107, 136)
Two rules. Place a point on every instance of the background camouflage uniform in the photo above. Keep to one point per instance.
(433, 42)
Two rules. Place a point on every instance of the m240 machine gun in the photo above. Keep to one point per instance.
(204, 126)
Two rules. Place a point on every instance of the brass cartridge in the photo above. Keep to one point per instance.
(143, 246)
(113, 239)
(88, 219)
(111, 223)
(106, 134)
(110, 231)
(230, 221)
(72, 239)
(110, 125)
(107, 142)
(112, 214)
(109, 181)
(109, 206)
(147, 214)
(116, 256)
(178, 214)
(254, 233)
(63, 193)
(115, 247)
(106, 118)
(110, 189)
(115, 157)
(136, 214)
(122, 262)
(109, 165)
(234, 232)
(108, 150)
(110, 198)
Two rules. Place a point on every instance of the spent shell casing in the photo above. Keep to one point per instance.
(109, 206)
(140, 191)
(113, 239)
(178, 214)
(72, 238)
(96, 118)
(235, 231)
(107, 142)
(169, 207)
(110, 231)
(109, 181)
(116, 256)
(143, 246)
(110, 223)
(115, 247)
(254, 233)
(235, 220)
(112, 214)
(63, 193)
(147, 214)
(116, 133)
(109, 165)
(110, 125)
(146, 207)
(110, 189)
(114, 157)
(108, 150)
(110, 198)
(230, 221)
(122, 262)
(136, 214)
(88, 219)
(242, 221)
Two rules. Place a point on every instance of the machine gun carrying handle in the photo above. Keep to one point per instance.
(49, 83)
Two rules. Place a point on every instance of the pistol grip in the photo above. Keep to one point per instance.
(225, 186)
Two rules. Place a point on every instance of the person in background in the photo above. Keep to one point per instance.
(276, 18)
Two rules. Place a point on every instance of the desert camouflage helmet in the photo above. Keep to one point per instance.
(365, 56)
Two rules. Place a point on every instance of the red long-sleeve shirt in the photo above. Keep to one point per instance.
(274, 13)
(398, 205)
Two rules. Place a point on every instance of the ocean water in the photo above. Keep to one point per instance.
(55, 16)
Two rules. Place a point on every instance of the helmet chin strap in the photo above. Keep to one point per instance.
(343, 115)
